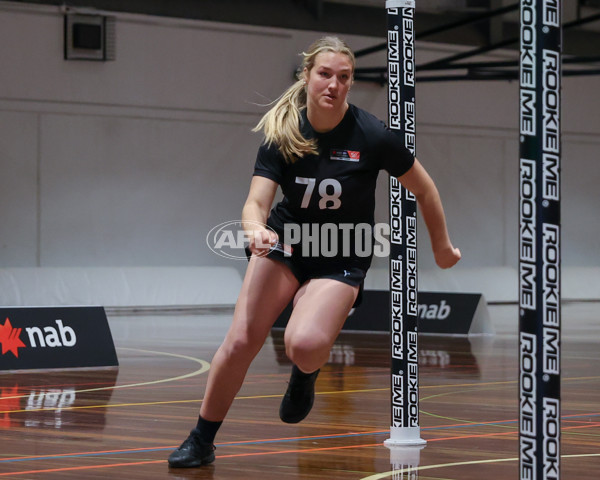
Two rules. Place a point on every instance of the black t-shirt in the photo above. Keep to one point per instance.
(337, 186)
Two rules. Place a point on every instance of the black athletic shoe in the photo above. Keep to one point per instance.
(299, 397)
(192, 453)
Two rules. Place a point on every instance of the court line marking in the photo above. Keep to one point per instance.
(88, 467)
(85, 467)
(368, 390)
(166, 402)
(220, 444)
(499, 423)
(442, 417)
(501, 434)
(281, 440)
(204, 368)
(380, 476)
(424, 412)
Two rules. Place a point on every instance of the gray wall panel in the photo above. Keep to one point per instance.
(18, 189)
(120, 191)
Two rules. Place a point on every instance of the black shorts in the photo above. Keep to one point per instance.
(306, 269)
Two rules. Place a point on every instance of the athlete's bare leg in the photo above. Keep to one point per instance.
(267, 289)
(321, 308)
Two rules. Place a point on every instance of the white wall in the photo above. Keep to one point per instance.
(131, 162)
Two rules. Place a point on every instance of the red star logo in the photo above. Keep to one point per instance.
(9, 338)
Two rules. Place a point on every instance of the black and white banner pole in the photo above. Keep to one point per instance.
(405, 428)
(539, 240)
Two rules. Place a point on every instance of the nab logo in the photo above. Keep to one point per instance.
(50, 336)
(10, 338)
(434, 312)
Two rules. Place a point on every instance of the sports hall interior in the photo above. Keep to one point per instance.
(113, 171)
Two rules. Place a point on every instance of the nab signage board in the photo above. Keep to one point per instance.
(55, 337)
(438, 313)
(444, 313)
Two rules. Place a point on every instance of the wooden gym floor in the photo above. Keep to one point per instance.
(122, 424)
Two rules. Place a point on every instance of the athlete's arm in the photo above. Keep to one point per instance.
(255, 213)
(418, 181)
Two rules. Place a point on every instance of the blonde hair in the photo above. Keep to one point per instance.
(281, 124)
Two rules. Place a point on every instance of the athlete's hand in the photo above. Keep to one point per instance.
(261, 241)
(447, 257)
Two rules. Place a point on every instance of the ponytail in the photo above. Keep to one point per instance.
(281, 124)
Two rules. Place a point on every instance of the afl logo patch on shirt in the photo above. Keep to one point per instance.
(344, 155)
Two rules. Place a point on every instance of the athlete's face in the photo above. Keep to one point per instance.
(328, 82)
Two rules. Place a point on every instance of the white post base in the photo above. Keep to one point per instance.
(404, 436)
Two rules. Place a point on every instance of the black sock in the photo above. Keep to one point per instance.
(207, 430)
(300, 375)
